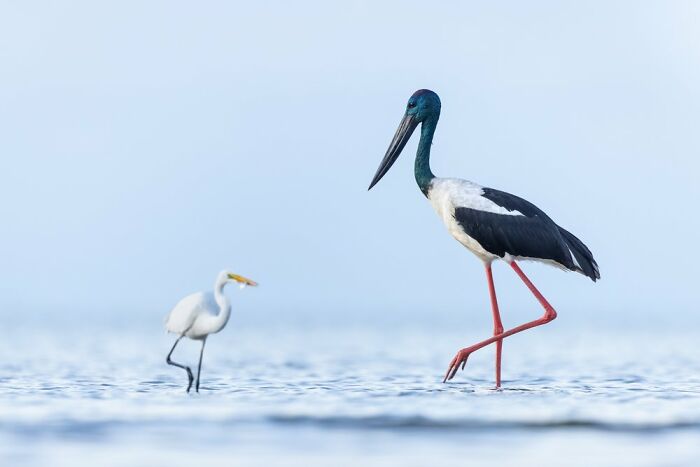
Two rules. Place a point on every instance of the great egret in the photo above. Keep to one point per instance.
(490, 223)
(200, 314)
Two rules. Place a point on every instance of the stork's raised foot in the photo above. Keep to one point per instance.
(460, 359)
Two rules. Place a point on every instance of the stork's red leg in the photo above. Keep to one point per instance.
(497, 324)
(549, 315)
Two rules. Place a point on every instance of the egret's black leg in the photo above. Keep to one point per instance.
(199, 367)
(184, 367)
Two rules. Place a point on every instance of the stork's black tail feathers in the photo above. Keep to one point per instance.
(586, 264)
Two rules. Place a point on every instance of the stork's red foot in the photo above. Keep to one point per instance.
(460, 359)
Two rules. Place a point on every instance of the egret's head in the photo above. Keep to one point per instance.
(231, 277)
(423, 105)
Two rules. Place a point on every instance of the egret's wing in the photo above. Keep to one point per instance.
(183, 315)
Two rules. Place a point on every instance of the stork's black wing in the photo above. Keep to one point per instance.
(530, 234)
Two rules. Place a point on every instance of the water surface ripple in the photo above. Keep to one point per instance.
(347, 397)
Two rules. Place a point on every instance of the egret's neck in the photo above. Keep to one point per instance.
(422, 167)
(220, 320)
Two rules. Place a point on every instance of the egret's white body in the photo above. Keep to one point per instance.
(200, 314)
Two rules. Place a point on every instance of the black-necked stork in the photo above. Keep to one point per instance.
(492, 224)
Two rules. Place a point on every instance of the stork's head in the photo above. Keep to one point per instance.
(423, 105)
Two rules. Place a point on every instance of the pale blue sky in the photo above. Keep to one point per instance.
(146, 145)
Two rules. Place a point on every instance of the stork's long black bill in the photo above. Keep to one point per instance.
(403, 134)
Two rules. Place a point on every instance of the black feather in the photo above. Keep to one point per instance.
(583, 255)
(532, 234)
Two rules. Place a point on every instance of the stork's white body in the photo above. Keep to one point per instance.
(450, 194)
(446, 194)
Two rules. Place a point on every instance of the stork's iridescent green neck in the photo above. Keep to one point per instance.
(424, 176)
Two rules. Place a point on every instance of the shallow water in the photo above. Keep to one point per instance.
(333, 395)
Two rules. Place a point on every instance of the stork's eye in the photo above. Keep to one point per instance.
(411, 105)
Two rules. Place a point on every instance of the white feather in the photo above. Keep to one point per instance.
(446, 194)
(183, 316)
